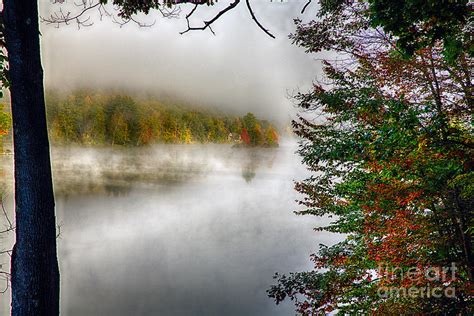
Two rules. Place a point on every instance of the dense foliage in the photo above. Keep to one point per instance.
(420, 23)
(91, 118)
(390, 142)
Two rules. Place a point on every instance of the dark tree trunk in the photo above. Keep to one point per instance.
(35, 273)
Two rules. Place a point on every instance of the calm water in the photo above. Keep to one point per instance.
(176, 230)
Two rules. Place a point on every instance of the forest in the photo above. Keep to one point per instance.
(92, 118)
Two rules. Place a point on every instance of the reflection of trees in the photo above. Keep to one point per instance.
(252, 159)
(248, 173)
(117, 189)
(251, 164)
(117, 172)
(118, 181)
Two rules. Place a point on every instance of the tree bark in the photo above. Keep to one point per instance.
(34, 272)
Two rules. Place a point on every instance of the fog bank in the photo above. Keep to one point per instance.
(240, 68)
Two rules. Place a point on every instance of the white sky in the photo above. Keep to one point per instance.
(240, 68)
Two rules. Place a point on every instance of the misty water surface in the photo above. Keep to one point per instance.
(177, 229)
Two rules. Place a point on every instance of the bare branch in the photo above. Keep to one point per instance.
(10, 224)
(207, 24)
(170, 12)
(257, 22)
(124, 21)
(7, 284)
(168, 9)
(58, 234)
(305, 6)
(66, 18)
(189, 15)
(60, 17)
(10, 227)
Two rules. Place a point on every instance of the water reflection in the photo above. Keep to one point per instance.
(248, 173)
(116, 171)
(178, 230)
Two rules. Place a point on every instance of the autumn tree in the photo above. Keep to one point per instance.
(271, 136)
(389, 140)
(245, 137)
(255, 134)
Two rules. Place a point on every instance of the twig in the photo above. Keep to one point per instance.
(65, 18)
(305, 6)
(256, 21)
(207, 24)
(10, 224)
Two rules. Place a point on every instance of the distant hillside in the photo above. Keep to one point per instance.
(93, 118)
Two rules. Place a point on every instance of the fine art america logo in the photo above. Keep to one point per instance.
(438, 282)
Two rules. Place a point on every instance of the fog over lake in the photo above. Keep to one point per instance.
(240, 69)
(177, 229)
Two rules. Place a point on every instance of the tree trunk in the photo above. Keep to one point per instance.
(34, 272)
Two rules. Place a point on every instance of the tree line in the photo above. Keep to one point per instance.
(92, 118)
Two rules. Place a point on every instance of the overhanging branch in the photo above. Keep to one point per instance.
(207, 24)
(126, 11)
(256, 20)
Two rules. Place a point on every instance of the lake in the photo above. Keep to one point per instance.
(176, 229)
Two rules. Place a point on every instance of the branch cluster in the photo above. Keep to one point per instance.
(124, 12)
